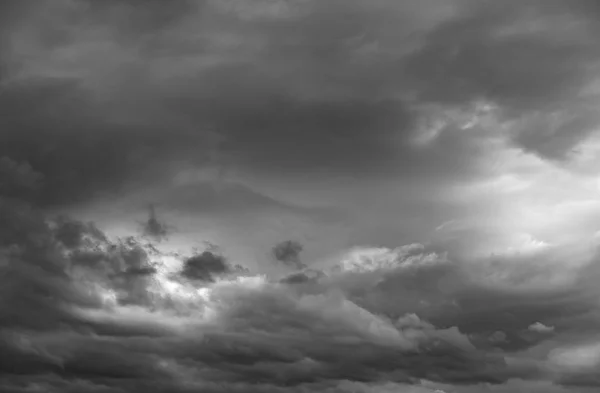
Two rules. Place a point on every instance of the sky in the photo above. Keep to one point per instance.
(432, 163)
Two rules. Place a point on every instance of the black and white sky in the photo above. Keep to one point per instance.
(432, 168)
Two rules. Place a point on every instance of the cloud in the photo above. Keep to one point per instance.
(100, 300)
(213, 84)
(408, 114)
(465, 60)
(257, 92)
(165, 333)
(203, 266)
(541, 328)
(288, 252)
(18, 179)
(154, 228)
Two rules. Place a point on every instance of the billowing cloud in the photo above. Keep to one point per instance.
(82, 311)
(434, 161)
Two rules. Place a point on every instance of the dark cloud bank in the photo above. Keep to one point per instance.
(103, 97)
(96, 96)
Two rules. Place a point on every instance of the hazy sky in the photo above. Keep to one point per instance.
(459, 137)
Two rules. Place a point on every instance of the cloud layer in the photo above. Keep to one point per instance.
(269, 84)
(82, 312)
(465, 130)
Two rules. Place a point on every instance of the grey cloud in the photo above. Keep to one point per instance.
(75, 234)
(306, 276)
(272, 336)
(224, 197)
(18, 179)
(297, 95)
(298, 338)
(288, 252)
(534, 60)
(154, 228)
(91, 135)
(205, 265)
(298, 85)
(470, 57)
(41, 256)
(447, 294)
(265, 332)
(309, 89)
(82, 158)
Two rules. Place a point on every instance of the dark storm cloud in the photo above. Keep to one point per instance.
(79, 153)
(287, 86)
(350, 103)
(57, 111)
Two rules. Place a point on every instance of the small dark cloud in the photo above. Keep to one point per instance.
(155, 228)
(288, 252)
(205, 266)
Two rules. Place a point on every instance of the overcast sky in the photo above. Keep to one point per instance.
(438, 161)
